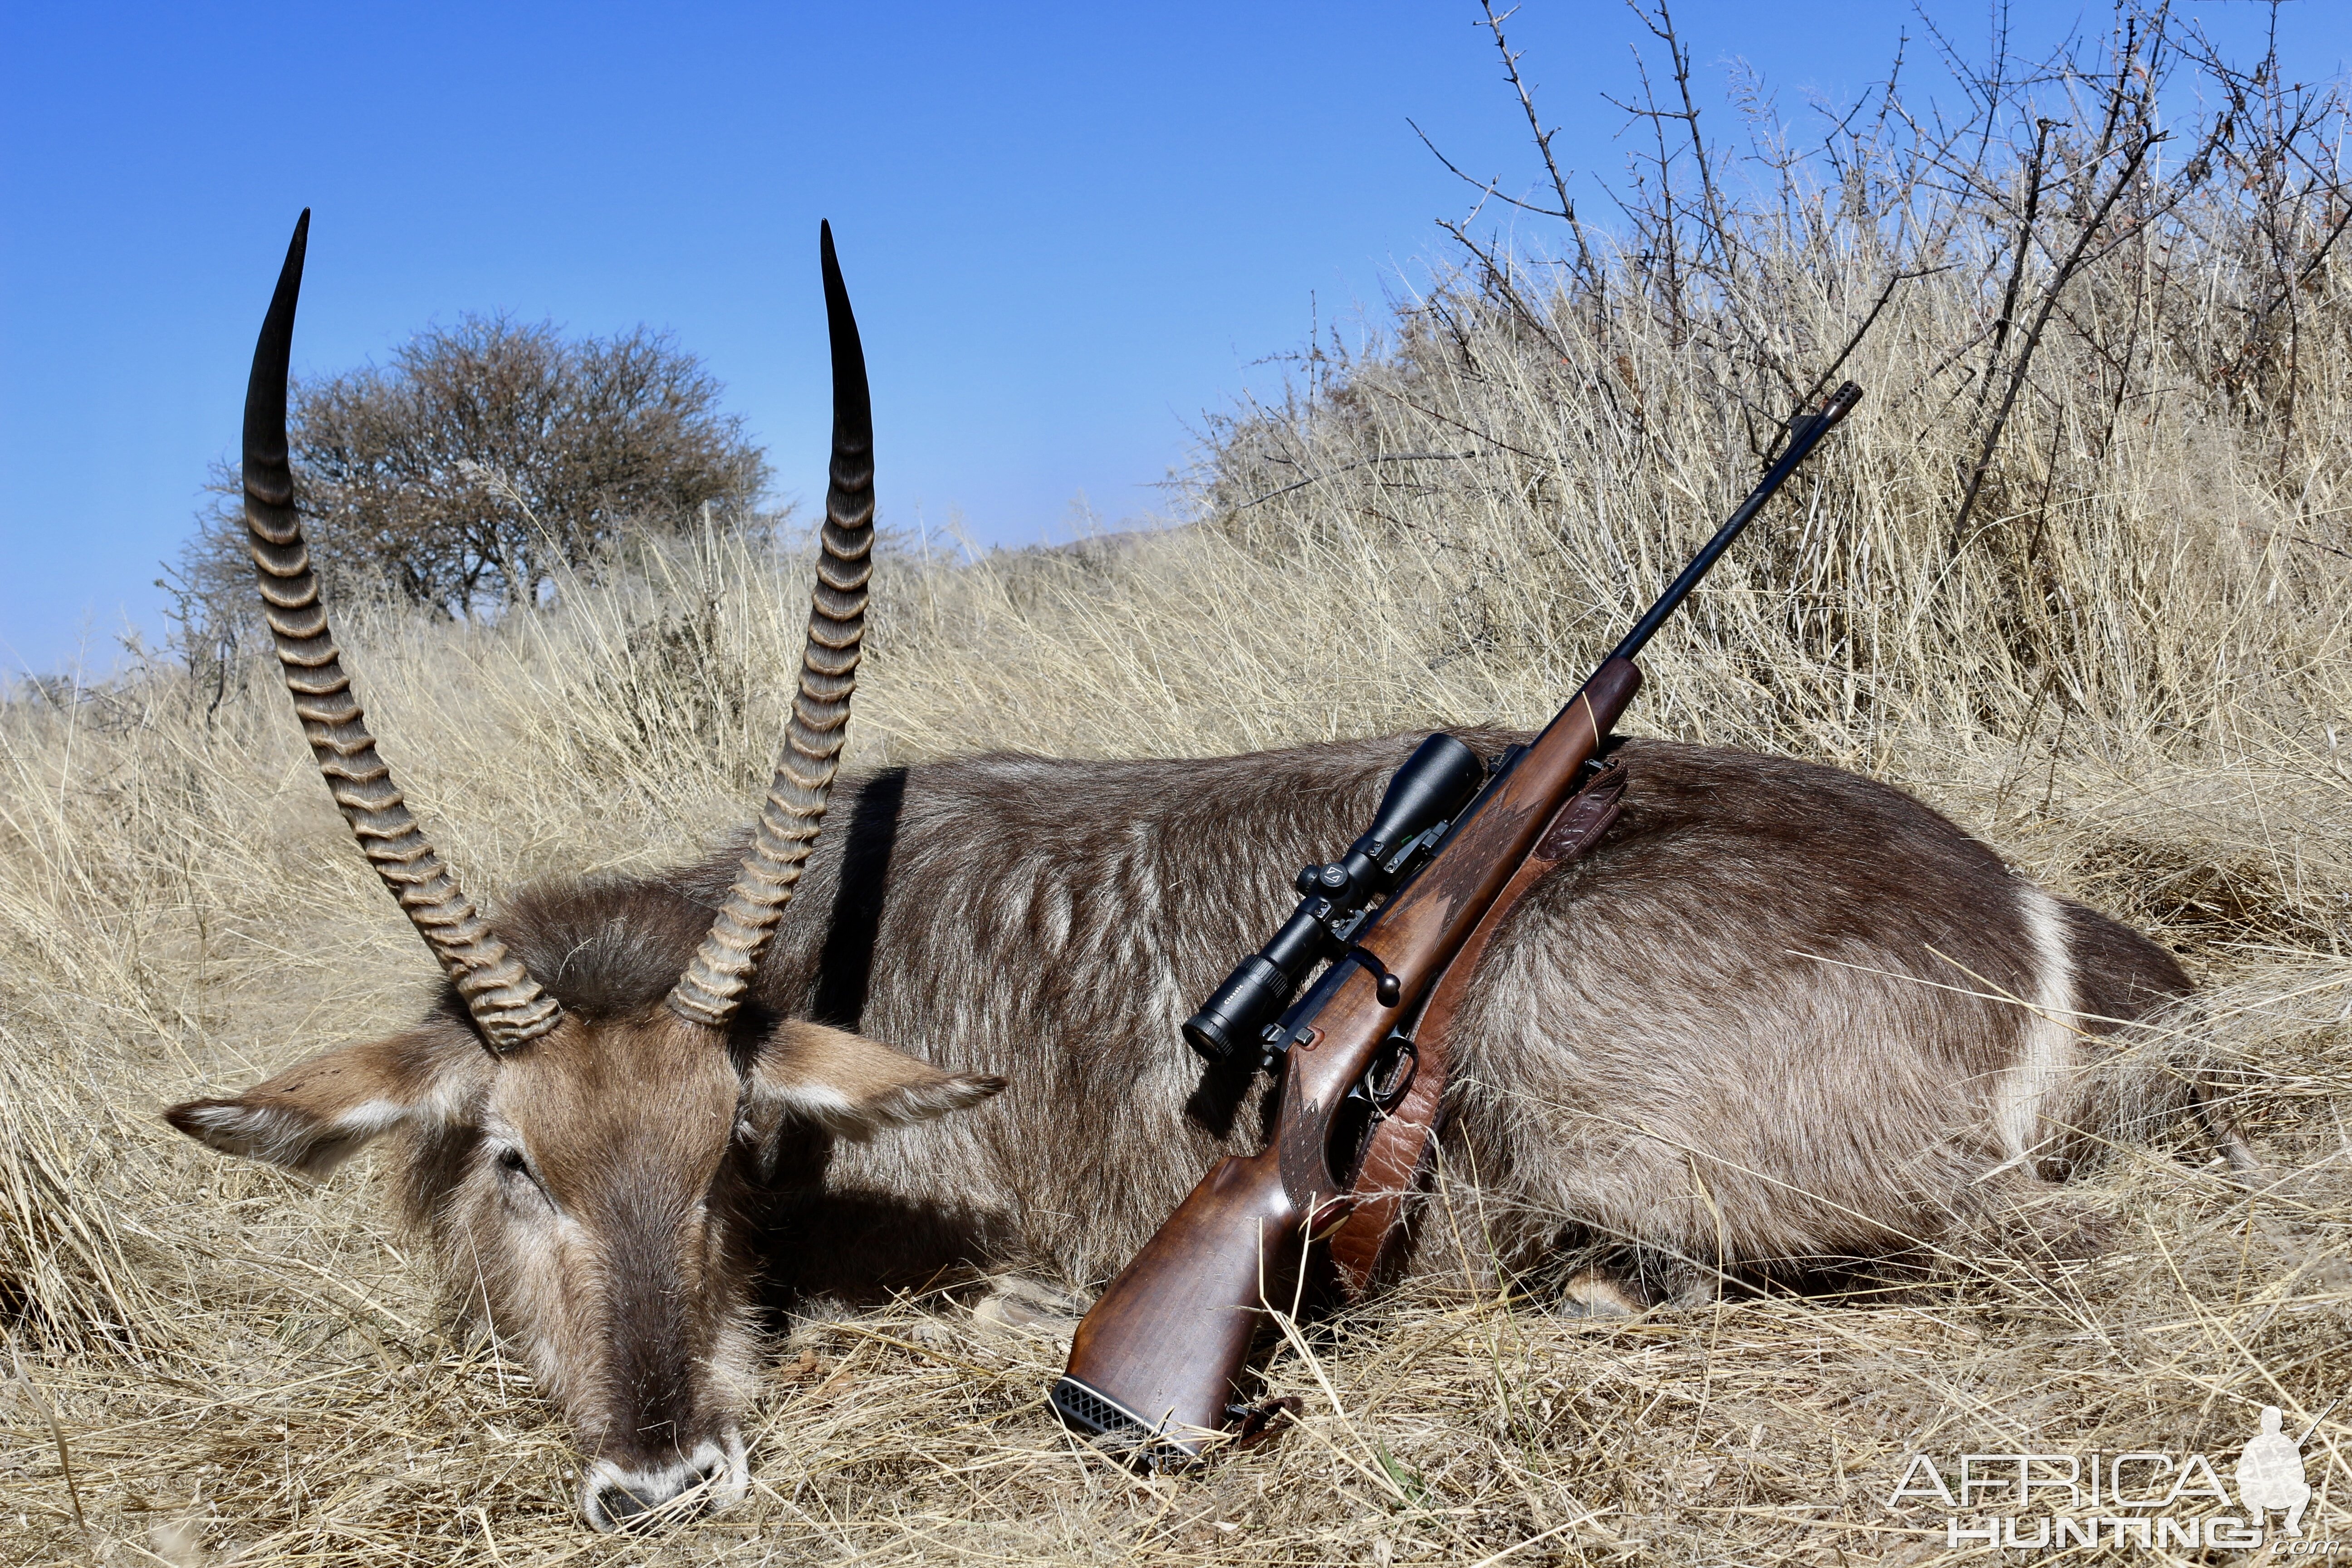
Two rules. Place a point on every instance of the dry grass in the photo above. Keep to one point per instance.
(2128, 669)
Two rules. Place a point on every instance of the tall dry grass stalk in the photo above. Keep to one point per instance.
(2107, 629)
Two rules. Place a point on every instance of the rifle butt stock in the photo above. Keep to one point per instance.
(1158, 1361)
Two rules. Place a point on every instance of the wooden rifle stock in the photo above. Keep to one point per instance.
(1159, 1358)
(1156, 1365)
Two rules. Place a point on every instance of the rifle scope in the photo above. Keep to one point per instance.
(1423, 796)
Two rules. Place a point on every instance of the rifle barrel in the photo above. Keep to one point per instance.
(1803, 437)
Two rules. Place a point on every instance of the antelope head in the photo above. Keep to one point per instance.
(592, 1172)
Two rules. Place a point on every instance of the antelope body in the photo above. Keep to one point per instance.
(1782, 1018)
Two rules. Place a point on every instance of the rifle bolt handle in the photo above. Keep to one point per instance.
(1390, 991)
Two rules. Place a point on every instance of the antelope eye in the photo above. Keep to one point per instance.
(511, 1161)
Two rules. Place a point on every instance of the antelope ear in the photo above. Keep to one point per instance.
(319, 1112)
(849, 1085)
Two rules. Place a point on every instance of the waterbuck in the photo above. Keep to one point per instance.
(1782, 1018)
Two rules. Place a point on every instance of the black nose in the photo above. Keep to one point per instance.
(628, 1500)
(622, 1504)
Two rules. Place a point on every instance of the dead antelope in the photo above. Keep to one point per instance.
(1809, 1023)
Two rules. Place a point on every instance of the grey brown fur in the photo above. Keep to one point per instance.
(1742, 1004)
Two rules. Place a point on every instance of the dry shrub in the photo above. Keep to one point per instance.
(2125, 666)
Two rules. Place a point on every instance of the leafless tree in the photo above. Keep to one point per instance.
(482, 459)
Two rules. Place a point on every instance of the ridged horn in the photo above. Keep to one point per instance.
(712, 986)
(508, 1005)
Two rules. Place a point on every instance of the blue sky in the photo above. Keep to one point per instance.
(1068, 230)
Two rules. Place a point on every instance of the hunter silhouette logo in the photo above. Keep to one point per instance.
(2270, 1473)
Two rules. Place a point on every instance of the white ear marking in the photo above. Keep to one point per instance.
(289, 1138)
(829, 1109)
(851, 1087)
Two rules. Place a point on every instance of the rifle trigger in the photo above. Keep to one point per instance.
(1391, 1073)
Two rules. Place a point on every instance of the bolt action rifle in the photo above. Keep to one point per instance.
(1157, 1366)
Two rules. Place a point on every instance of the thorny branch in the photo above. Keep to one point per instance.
(1693, 236)
(1566, 213)
(2065, 274)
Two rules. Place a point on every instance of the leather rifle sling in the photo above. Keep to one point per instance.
(1403, 1142)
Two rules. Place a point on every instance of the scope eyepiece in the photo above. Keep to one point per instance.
(1431, 787)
